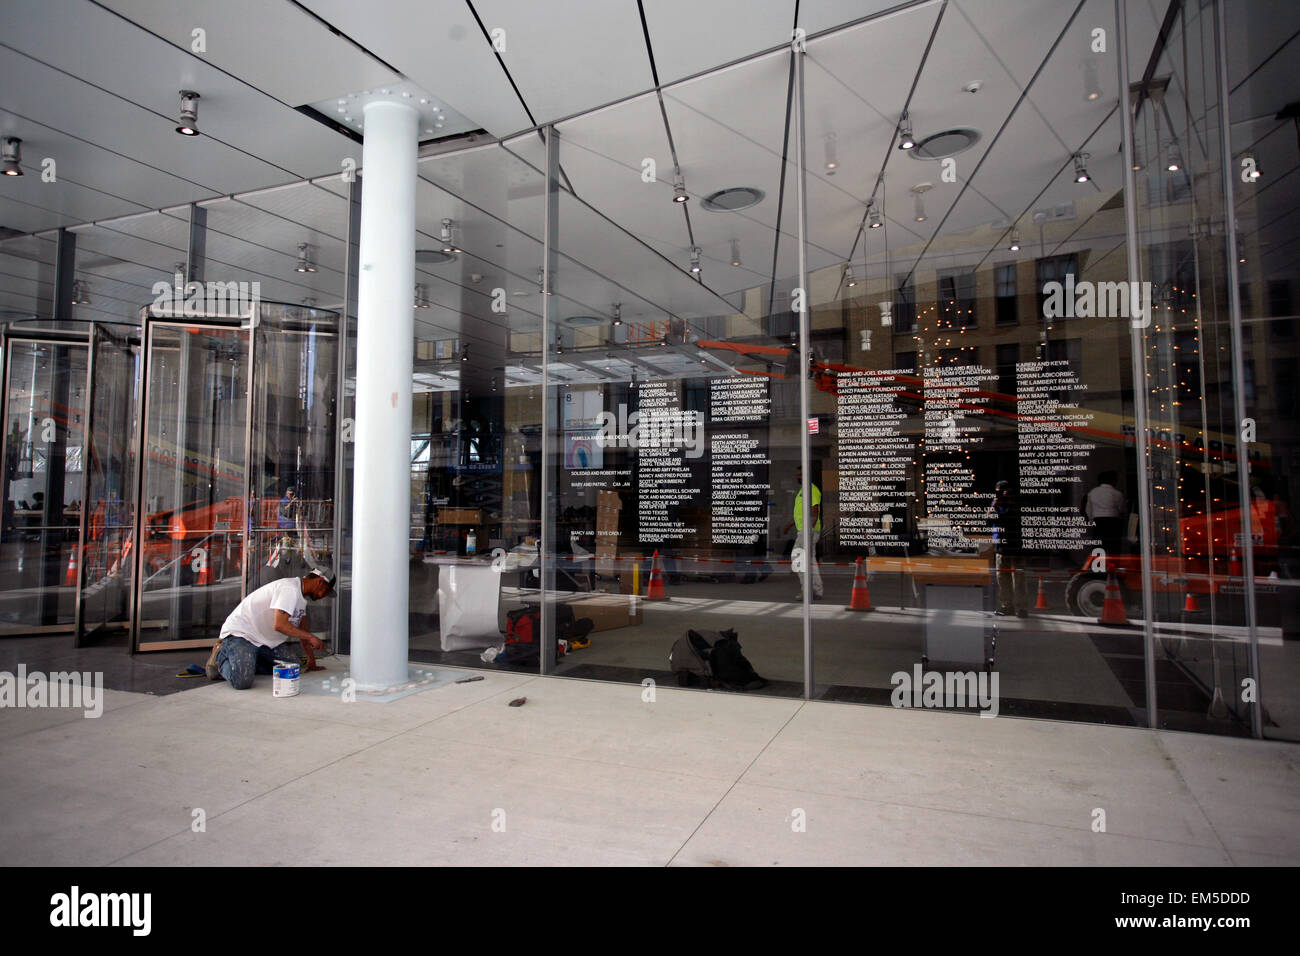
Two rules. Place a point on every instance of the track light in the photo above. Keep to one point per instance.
(873, 215)
(735, 252)
(1080, 170)
(1015, 240)
(679, 188)
(306, 263)
(831, 162)
(559, 344)
(448, 236)
(464, 353)
(1137, 159)
(308, 302)
(618, 313)
(695, 259)
(80, 293)
(849, 279)
(919, 190)
(1092, 86)
(189, 124)
(12, 156)
(421, 296)
(1175, 161)
(905, 140)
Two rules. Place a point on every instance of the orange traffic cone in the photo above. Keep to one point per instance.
(1112, 611)
(1190, 604)
(1041, 603)
(70, 579)
(655, 588)
(1234, 564)
(861, 599)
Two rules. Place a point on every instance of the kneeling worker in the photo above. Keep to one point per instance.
(258, 631)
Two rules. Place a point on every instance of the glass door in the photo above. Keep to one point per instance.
(44, 405)
(292, 460)
(108, 520)
(192, 521)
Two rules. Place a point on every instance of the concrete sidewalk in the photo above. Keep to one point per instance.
(588, 773)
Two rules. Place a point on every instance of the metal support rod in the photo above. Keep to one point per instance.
(1136, 350)
(550, 403)
(802, 312)
(1238, 366)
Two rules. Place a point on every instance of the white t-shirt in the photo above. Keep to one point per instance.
(1105, 501)
(254, 618)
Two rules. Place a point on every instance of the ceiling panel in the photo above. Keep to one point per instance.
(289, 71)
(684, 46)
(438, 46)
(553, 51)
(88, 80)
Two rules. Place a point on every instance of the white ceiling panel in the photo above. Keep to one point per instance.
(1017, 36)
(685, 43)
(553, 51)
(439, 46)
(234, 117)
(283, 56)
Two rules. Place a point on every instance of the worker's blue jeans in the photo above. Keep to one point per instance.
(238, 660)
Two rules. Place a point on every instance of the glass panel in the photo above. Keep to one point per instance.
(194, 520)
(44, 408)
(293, 448)
(676, 399)
(110, 482)
(936, 273)
(1263, 42)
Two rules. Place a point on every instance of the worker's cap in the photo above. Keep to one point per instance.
(325, 573)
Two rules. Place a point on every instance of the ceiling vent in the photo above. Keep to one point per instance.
(433, 257)
(733, 199)
(948, 143)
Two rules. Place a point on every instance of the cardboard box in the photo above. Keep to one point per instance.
(607, 611)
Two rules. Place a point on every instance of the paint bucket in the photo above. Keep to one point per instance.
(285, 680)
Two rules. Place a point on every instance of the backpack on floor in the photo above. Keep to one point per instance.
(730, 666)
(689, 660)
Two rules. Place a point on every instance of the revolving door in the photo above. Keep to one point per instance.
(236, 483)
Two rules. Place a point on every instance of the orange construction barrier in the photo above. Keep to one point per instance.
(655, 588)
(70, 579)
(1041, 603)
(1190, 604)
(1234, 564)
(1112, 611)
(861, 599)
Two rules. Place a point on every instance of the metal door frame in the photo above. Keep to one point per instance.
(81, 637)
(8, 337)
(199, 323)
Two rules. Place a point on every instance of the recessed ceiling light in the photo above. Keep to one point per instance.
(948, 142)
(12, 156)
(189, 124)
(732, 199)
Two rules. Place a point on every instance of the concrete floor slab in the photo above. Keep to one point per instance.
(754, 826)
(708, 734)
(1044, 772)
(419, 800)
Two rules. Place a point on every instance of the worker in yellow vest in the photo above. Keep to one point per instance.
(813, 537)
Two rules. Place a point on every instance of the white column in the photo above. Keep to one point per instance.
(381, 491)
